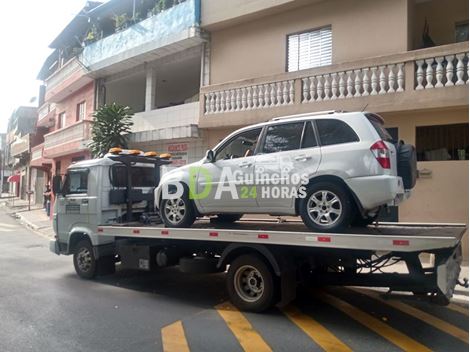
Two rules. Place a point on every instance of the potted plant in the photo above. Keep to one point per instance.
(121, 22)
(92, 35)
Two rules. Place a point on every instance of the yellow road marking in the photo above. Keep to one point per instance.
(317, 332)
(249, 339)
(419, 314)
(173, 338)
(394, 336)
(458, 308)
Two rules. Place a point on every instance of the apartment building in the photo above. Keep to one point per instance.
(404, 59)
(20, 134)
(149, 55)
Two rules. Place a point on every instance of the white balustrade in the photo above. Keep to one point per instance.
(442, 71)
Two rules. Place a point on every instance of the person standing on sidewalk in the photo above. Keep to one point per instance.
(47, 199)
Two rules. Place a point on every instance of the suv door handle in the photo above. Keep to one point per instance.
(85, 201)
(245, 164)
(302, 158)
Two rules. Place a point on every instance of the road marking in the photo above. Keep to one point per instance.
(317, 332)
(458, 308)
(419, 314)
(394, 336)
(249, 338)
(173, 338)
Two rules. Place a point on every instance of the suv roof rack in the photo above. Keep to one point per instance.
(315, 113)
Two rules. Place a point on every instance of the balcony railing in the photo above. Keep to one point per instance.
(37, 152)
(20, 145)
(67, 139)
(369, 81)
(46, 115)
(155, 32)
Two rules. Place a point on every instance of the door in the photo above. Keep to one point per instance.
(73, 203)
(226, 185)
(289, 157)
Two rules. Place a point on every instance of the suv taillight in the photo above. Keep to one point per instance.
(381, 153)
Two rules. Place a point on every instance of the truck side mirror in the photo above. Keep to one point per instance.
(210, 156)
(56, 184)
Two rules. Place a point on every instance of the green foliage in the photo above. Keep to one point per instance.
(121, 21)
(110, 127)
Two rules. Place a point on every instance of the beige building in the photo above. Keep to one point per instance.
(405, 59)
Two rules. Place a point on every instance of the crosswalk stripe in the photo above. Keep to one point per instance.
(173, 338)
(419, 314)
(394, 336)
(457, 308)
(249, 339)
(317, 332)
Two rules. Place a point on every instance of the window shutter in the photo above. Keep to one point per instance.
(309, 49)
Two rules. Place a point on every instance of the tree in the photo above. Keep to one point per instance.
(110, 128)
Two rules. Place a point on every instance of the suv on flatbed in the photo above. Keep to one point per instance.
(333, 169)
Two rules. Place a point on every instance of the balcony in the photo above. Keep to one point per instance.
(20, 146)
(46, 115)
(167, 32)
(166, 123)
(37, 156)
(66, 80)
(67, 140)
(428, 78)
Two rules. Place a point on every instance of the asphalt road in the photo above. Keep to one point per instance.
(44, 306)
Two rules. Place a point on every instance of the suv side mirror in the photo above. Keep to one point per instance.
(56, 184)
(210, 156)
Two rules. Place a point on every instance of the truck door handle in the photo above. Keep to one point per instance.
(245, 165)
(302, 158)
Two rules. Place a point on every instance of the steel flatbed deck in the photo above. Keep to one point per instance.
(397, 237)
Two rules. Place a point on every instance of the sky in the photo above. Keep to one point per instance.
(28, 27)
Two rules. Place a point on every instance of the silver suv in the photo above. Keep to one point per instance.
(333, 169)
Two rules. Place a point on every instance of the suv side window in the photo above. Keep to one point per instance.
(283, 137)
(309, 139)
(242, 145)
(333, 131)
(76, 181)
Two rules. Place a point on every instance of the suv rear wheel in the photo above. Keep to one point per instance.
(326, 207)
(177, 212)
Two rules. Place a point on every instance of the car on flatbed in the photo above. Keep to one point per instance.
(331, 168)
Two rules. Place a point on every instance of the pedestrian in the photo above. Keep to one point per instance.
(47, 200)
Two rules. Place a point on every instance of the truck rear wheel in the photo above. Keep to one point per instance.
(250, 284)
(84, 260)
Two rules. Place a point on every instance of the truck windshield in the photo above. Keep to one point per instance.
(141, 176)
(76, 181)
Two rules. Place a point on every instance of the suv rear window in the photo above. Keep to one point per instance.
(379, 127)
(333, 131)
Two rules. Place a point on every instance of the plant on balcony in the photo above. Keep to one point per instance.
(110, 127)
(92, 35)
(121, 22)
(162, 5)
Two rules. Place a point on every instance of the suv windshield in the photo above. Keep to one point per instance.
(379, 127)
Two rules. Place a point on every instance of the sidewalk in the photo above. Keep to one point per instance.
(35, 218)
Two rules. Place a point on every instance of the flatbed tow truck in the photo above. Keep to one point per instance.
(265, 260)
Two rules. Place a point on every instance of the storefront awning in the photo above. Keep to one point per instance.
(14, 178)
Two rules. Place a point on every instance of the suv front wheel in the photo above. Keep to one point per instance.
(326, 207)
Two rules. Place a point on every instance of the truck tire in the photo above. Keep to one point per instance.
(227, 218)
(251, 284)
(84, 260)
(327, 207)
(177, 212)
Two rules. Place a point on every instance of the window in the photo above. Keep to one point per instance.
(141, 176)
(335, 132)
(81, 107)
(379, 127)
(309, 49)
(461, 32)
(244, 144)
(76, 181)
(445, 142)
(309, 140)
(61, 122)
(280, 138)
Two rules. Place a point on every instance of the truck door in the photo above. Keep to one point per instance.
(73, 203)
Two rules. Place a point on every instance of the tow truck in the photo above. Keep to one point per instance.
(104, 217)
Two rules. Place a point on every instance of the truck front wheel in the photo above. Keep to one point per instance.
(251, 284)
(84, 260)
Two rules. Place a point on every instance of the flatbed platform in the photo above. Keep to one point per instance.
(400, 237)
